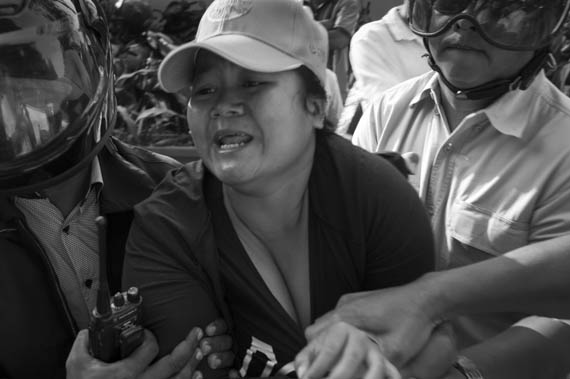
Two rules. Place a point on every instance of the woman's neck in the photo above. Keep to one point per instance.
(275, 210)
(457, 109)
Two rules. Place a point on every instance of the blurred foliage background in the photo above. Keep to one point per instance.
(141, 36)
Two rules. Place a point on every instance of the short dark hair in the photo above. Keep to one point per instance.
(314, 87)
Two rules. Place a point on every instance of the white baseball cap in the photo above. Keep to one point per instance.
(259, 35)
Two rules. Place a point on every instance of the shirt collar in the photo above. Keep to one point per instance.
(398, 27)
(510, 114)
(96, 182)
(428, 90)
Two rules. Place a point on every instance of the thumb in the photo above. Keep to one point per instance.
(80, 347)
(321, 324)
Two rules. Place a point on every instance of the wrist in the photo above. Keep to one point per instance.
(436, 304)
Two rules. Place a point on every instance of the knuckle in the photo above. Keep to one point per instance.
(227, 358)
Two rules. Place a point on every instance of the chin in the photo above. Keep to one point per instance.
(463, 80)
(230, 175)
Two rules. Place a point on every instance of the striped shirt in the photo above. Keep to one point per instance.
(71, 244)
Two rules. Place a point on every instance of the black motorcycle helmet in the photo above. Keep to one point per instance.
(57, 105)
(521, 25)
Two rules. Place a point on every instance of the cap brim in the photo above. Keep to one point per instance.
(175, 71)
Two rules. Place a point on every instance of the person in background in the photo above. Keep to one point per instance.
(59, 170)
(339, 17)
(334, 105)
(491, 133)
(382, 54)
(280, 216)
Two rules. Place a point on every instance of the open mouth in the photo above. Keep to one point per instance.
(229, 140)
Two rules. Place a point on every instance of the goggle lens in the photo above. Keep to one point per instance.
(509, 24)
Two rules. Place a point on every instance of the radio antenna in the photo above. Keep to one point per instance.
(103, 294)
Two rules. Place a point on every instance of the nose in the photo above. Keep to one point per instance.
(464, 24)
(230, 104)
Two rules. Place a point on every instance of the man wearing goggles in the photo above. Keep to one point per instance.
(511, 25)
(492, 136)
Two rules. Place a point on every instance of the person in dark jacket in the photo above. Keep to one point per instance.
(59, 170)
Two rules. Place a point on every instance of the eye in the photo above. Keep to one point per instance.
(252, 83)
(202, 91)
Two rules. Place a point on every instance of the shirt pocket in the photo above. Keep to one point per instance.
(485, 230)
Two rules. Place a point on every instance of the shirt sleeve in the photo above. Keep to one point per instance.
(175, 290)
(366, 134)
(346, 16)
(371, 66)
(399, 239)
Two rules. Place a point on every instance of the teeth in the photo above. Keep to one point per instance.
(229, 146)
(233, 141)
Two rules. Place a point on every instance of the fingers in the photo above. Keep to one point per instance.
(216, 328)
(189, 370)
(304, 358)
(79, 360)
(217, 344)
(336, 315)
(354, 355)
(343, 351)
(233, 374)
(181, 362)
(221, 360)
(320, 324)
(138, 361)
(318, 357)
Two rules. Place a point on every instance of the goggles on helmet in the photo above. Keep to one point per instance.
(508, 24)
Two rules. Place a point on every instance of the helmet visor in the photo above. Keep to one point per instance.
(48, 78)
(508, 24)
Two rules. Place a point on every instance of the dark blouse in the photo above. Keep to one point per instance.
(367, 230)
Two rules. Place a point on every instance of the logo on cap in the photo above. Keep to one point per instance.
(228, 9)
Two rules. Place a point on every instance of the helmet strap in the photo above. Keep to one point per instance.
(496, 88)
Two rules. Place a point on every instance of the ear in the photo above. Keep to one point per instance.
(316, 108)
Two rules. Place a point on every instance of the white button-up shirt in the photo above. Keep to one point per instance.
(499, 181)
(384, 53)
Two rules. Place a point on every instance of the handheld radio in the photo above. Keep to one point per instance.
(114, 329)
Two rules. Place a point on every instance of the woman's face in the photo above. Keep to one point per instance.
(248, 126)
(467, 60)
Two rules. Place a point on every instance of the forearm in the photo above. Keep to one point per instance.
(537, 348)
(338, 39)
(534, 279)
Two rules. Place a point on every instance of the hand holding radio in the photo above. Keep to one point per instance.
(180, 363)
(116, 345)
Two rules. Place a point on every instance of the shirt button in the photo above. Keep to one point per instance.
(89, 283)
(66, 229)
(448, 147)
